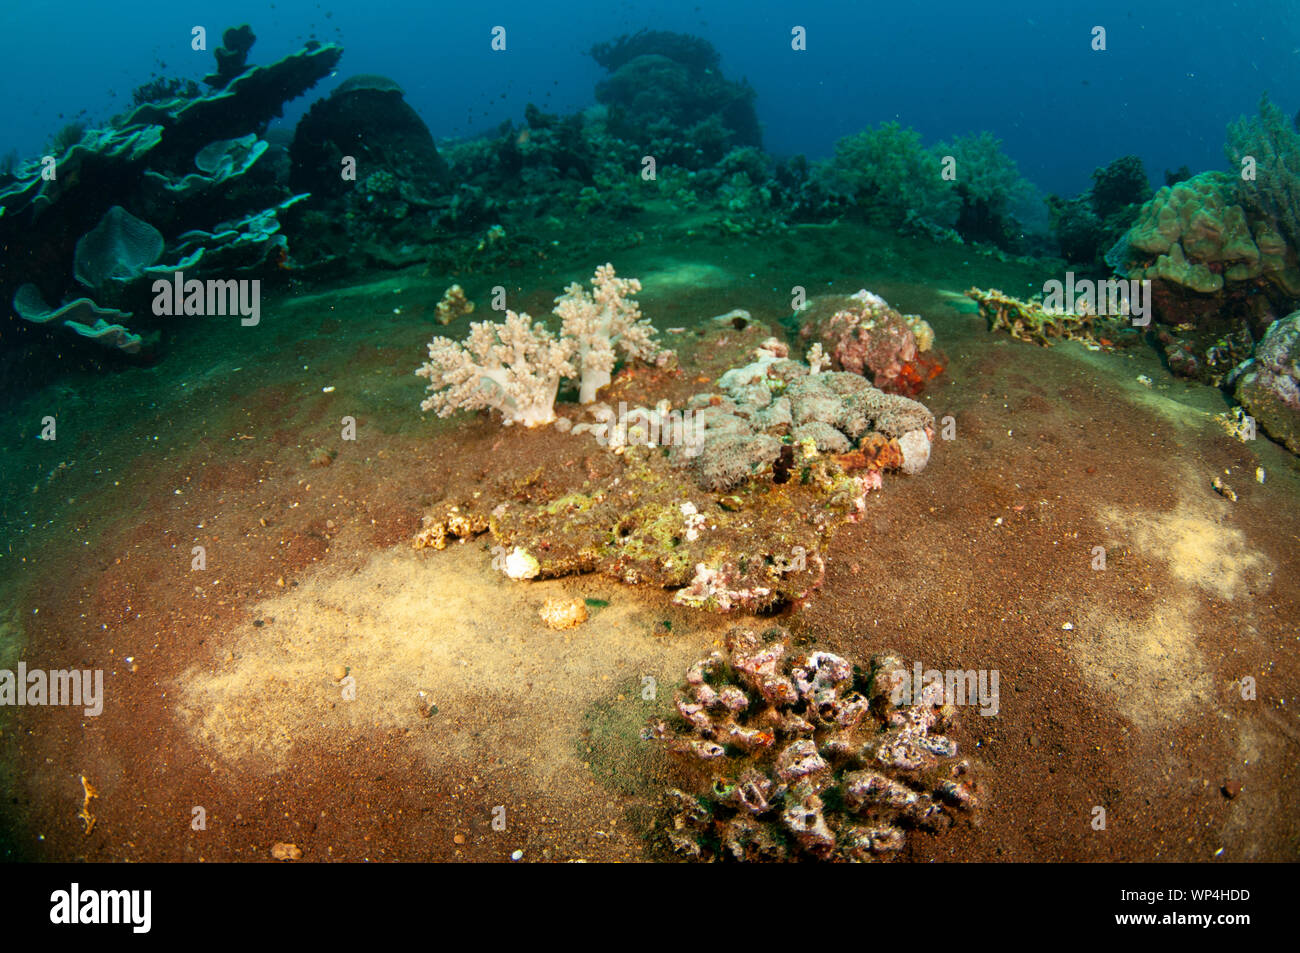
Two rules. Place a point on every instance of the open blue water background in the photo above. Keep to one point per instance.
(1173, 75)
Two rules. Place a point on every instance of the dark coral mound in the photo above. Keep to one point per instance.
(1087, 225)
(397, 176)
(695, 53)
(667, 94)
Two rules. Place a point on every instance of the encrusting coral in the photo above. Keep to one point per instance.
(515, 367)
(805, 756)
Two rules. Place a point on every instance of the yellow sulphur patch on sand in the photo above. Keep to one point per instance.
(1150, 667)
(1195, 544)
(436, 646)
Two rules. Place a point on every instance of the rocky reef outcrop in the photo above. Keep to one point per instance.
(1268, 385)
(792, 755)
(731, 508)
(727, 496)
(1218, 276)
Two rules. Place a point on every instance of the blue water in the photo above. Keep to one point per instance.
(1173, 75)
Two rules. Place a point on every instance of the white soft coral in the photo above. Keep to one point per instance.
(514, 367)
(601, 321)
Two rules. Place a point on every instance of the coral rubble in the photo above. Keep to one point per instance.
(449, 521)
(453, 305)
(730, 501)
(804, 755)
(1030, 321)
(563, 613)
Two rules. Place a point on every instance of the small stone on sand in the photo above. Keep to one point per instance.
(563, 613)
(286, 852)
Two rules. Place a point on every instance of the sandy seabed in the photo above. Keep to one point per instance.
(1120, 687)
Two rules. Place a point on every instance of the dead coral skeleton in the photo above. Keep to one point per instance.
(1030, 321)
(803, 756)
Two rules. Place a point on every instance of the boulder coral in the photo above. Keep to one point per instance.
(1219, 274)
